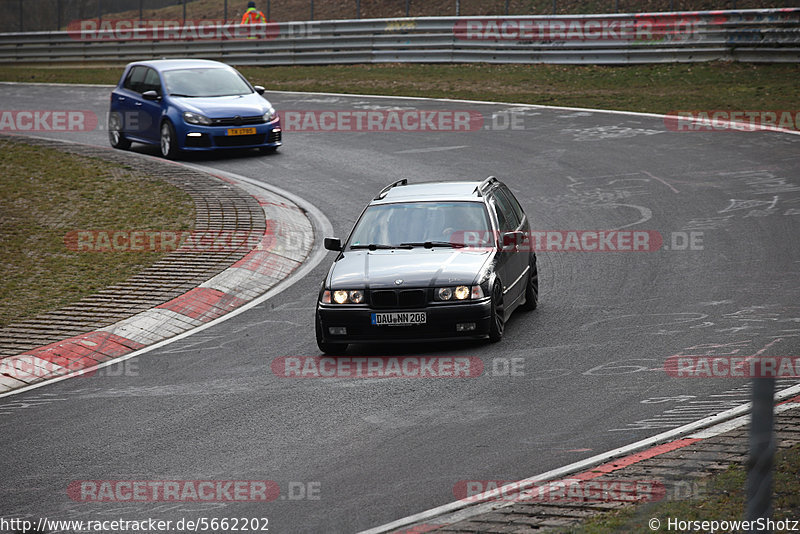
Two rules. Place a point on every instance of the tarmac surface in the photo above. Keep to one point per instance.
(363, 452)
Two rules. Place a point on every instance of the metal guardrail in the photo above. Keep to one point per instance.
(771, 35)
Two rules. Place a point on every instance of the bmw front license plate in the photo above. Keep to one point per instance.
(401, 318)
(241, 131)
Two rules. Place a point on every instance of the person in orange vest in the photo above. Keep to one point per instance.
(252, 15)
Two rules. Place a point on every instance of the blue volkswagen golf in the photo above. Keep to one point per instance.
(190, 105)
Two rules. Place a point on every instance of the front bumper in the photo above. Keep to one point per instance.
(441, 321)
(198, 137)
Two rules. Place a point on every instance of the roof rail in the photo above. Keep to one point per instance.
(386, 189)
(485, 184)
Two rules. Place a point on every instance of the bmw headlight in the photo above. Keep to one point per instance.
(270, 115)
(196, 118)
(342, 296)
(448, 294)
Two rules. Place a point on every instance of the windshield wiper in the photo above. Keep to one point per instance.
(431, 244)
(373, 246)
(185, 96)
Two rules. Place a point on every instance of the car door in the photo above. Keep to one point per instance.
(122, 102)
(515, 257)
(151, 110)
(140, 116)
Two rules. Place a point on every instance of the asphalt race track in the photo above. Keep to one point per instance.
(589, 371)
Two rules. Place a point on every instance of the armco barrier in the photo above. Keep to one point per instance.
(769, 35)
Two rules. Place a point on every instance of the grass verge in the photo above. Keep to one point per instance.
(722, 499)
(45, 193)
(645, 88)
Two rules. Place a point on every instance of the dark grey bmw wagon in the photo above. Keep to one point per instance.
(429, 261)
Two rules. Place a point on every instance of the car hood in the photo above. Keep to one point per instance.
(224, 106)
(418, 267)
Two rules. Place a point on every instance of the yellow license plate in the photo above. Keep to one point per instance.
(241, 131)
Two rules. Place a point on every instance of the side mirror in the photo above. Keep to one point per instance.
(150, 95)
(511, 240)
(333, 243)
(259, 89)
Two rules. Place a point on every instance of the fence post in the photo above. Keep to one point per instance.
(141, 9)
(762, 450)
(554, 7)
(408, 2)
(506, 8)
(268, 17)
(358, 9)
(312, 10)
(184, 11)
(58, 15)
(225, 11)
(458, 8)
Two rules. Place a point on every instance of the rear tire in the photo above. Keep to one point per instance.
(531, 288)
(332, 349)
(115, 135)
(497, 320)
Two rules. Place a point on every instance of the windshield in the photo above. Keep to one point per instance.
(442, 223)
(205, 82)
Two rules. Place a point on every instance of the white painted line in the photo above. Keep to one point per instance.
(721, 428)
(537, 106)
(463, 101)
(581, 465)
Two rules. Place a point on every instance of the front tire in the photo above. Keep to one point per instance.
(115, 135)
(497, 320)
(169, 144)
(332, 349)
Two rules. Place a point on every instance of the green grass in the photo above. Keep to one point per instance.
(646, 88)
(45, 193)
(722, 498)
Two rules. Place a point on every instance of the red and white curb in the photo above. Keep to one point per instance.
(286, 244)
(587, 469)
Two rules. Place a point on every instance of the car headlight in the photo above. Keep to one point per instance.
(270, 115)
(342, 296)
(196, 118)
(458, 293)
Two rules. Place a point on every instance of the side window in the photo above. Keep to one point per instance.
(512, 200)
(502, 220)
(504, 206)
(135, 79)
(152, 82)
